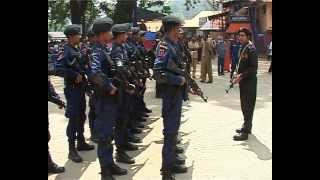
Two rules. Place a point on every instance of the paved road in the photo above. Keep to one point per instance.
(207, 130)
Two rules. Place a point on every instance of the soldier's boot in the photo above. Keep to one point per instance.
(73, 154)
(106, 174)
(129, 147)
(82, 145)
(134, 139)
(122, 156)
(179, 139)
(140, 125)
(180, 160)
(146, 110)
(140, 119)
(53, 167)
(179, 150)
(240, 130)
(136, 130)
(145, 115)
(167, 175)
(116, 170)
(179, 169)
(241, 136)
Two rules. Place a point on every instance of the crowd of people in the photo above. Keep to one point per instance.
(112, 67)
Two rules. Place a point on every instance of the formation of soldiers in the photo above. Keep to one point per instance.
(112, 70)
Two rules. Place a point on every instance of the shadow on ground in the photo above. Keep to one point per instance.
(74, 170)
(262, 151)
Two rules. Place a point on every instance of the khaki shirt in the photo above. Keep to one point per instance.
(193, 45)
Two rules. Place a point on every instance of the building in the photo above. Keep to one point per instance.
(264, 19)
(191, 26)
(256, 15)
(56, 36)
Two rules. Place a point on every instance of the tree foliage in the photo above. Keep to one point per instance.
(58, 13)
(84, 12)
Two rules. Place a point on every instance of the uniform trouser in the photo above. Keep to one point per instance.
(171, 114)
(106, 115)
(220, 65)
(233, 68)
(248, 93)
(194, 66)
(144, 90)
(199, 54)
(76, 112)
(206, 68)
(91, 115)
(121, 127)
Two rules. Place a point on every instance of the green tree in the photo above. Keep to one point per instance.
(58, 13)
(123, 11)
(107, 8)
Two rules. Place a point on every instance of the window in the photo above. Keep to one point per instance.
(264, 9)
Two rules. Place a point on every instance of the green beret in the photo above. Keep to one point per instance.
(72, 29)
(102, 25)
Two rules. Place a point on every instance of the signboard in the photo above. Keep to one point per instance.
(239, 18)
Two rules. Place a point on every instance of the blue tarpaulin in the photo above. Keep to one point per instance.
(150, 36)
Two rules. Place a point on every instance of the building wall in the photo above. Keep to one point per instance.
(265, 16)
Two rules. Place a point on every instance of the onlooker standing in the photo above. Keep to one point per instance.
(227, 56)
(270, 56)
(194, 46)
(143, 26)
(221, 52)
(200, 48)
(206, 63)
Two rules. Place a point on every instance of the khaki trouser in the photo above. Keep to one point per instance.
(206, 68)
(194, 66)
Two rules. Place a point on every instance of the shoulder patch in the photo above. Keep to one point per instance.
(162, 49)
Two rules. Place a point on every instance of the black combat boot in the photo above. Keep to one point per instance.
(122, 156)
(241, 130)
(179, 169)
(53, 167)
(83, 146)
(145, 115)
(116, 170)
(134, 139)
(179, 139)
(167, 175)
(241, 136)
(179, 150)
(180, 160)
(140, 125)
(73, 154)
(136, 130)
(146, 110)
(106, 174)
(140, 119)
(129, 147)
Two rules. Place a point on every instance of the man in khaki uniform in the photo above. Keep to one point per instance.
(194, 46)
(206, 62)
